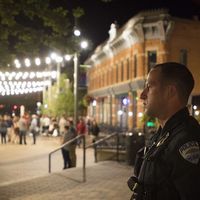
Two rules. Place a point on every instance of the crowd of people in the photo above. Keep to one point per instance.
(15, 129)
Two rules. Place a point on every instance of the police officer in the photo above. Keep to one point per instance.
(169, 167)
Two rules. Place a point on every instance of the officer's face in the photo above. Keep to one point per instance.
(154, 95)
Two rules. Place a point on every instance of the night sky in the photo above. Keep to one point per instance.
(99, 15)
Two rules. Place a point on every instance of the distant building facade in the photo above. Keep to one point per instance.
(120, 65)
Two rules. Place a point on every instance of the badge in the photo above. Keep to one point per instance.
(190, 151)
(162, 140)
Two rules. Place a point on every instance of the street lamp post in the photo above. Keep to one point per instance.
(58, 77)
(76, 64)
(83, 45)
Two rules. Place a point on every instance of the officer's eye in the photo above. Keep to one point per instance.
(148, 87)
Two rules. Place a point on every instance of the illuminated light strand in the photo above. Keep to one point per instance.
(54, 57)
(22, 87)
(21, 91)
(27, 75)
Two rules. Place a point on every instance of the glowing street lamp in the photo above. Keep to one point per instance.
(83, 45)
(77, 32)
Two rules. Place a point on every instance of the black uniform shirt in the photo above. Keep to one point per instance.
(171, 166)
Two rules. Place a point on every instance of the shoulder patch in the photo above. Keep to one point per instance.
(190, 151)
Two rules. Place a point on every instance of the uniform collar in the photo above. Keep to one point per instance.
(177, 118)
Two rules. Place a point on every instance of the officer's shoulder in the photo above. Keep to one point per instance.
(187, 141)
(190, 151)
(188, 127)
(192, 128)
(185, 132)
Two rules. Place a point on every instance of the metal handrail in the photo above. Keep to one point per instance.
(84, 150)
(94, 145)
(100, 140)
(68, 143)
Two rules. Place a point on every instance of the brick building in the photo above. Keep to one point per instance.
(120, 64)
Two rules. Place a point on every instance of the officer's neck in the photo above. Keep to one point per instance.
(170, 112)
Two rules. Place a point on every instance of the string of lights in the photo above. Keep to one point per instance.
(22, 87)
(16, 83)
(27, 75)
(54, 57)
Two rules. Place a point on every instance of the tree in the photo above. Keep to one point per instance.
(65, 99)
(62, 102)
(32, 27)
(49, 100)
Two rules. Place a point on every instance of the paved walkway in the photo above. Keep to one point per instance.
(24, 175)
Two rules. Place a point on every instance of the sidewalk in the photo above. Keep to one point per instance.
(24, 175)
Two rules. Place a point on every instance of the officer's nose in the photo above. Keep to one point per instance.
(143, 95)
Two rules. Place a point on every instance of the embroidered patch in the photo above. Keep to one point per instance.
(190, 151)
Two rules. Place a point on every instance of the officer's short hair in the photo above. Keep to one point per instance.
(178, 74)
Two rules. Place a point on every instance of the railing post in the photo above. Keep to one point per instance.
(118, 147)
(95, 153)
(84, 159)
(50, 163)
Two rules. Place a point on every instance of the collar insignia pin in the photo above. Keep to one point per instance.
(162, 140)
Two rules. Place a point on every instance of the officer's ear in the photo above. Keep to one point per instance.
(172, 91)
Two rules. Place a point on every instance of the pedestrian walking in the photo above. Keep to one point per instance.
(81, 130)
(34, 127)
(23, 128)
(10, 131)
(94, 130)
(62, 123)
(16, 129)
(3, 130)
(68, 150)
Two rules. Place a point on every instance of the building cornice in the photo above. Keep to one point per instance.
(144, 26)
(120, 88)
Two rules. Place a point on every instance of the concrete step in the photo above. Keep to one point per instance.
(105, 181)
(24, 174)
